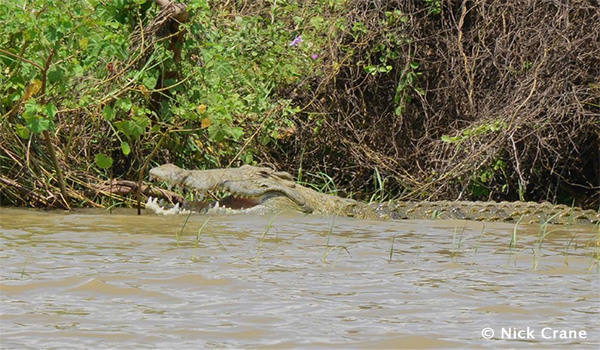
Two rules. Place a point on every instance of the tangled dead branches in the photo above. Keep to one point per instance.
(165, 25)
(486, 100)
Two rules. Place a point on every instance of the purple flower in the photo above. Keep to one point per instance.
(296, 41)
(314, 57)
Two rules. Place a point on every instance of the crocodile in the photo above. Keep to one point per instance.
(251, 189)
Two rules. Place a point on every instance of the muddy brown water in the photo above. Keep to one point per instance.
(98, 280)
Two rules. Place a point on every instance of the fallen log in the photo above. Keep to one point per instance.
(126, 187)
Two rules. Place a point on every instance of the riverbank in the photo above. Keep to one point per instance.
(409, 100)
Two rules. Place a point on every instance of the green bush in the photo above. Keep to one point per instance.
(71, 68)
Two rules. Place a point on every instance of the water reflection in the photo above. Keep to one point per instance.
(92, 279)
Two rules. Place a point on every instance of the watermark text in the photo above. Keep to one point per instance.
(529, 333)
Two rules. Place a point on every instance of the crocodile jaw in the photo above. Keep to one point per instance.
(224, 207)
(153, 206)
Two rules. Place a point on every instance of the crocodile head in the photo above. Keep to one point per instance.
(247, 189)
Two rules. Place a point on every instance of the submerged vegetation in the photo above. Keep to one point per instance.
(392, 99)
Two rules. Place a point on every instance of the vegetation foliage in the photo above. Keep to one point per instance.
(406, 99)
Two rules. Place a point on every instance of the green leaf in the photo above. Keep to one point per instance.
(371, 70)
(125, 148)
(77, 69)
(108, 112)
(37, 124)
(248, 158)
(51, 110)
(399, 110)
(235, 132)
(215, 133)
(83, 43)
(103, 161)
(447, 139)
(124, 104)
(316, 21)
(133, 128)
(55, 75)
(384, 69)
(150, 81)
(22, 131)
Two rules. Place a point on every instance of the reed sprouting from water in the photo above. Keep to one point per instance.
(263, 236)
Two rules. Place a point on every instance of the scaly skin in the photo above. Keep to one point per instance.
(274, 191)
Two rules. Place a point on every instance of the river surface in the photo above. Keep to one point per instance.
(95, 279)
